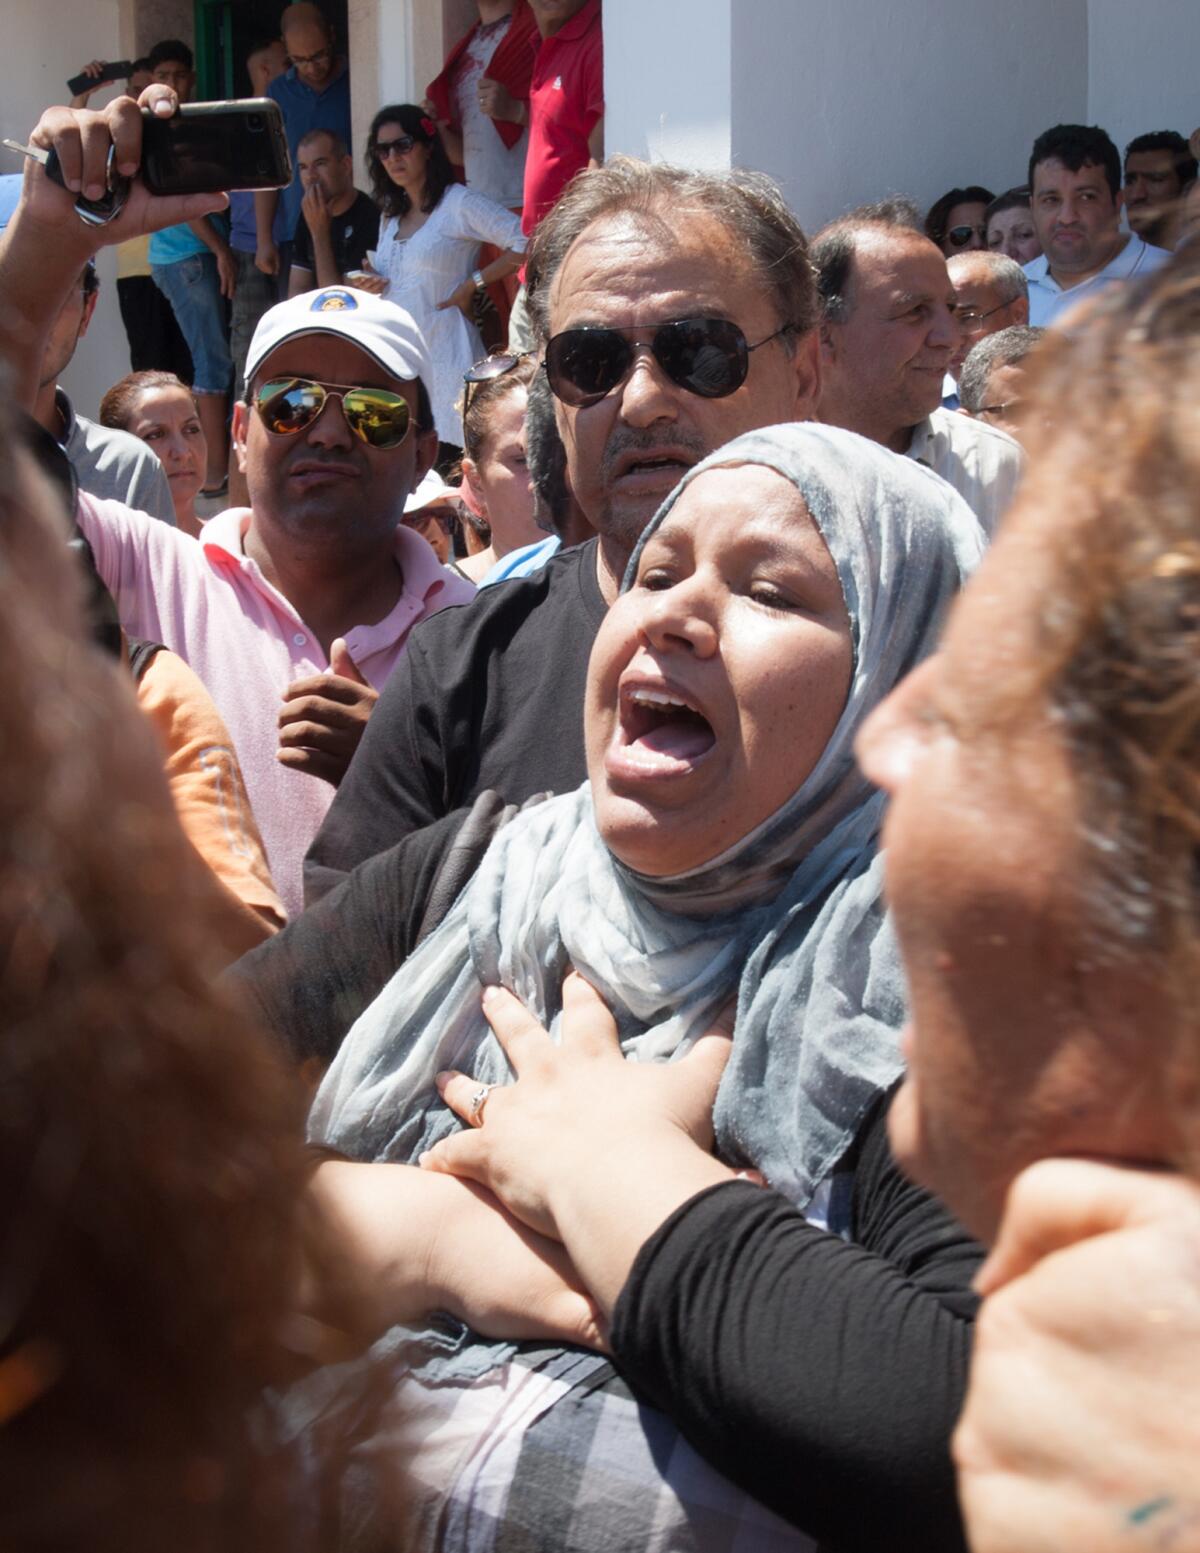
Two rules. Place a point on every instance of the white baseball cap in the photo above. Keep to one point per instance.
(385, 331)
(431, 492)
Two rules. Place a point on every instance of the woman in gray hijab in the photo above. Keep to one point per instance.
(725, 847)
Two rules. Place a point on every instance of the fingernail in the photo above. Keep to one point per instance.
(423, 1159)
(127, 169)
(443, 1078)
(490, 993)
(93, 191)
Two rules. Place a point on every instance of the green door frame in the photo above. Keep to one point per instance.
(213, 21)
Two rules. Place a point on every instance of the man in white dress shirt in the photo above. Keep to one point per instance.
(1075, 184)
(888, 335)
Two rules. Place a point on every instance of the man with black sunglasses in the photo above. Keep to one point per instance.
(676, 310)
(294, 611)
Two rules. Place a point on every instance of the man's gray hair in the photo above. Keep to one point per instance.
(748, 204)
(835, 245)
(1006, 348)
(1004, 273)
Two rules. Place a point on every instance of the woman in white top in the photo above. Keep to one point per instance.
(428, 250)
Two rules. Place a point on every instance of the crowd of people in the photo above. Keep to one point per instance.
(604, 957)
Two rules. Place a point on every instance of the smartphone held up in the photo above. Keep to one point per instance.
(211, 147)
(203, 148)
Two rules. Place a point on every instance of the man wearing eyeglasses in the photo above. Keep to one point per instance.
(889, 332)
(993, 294)
(676, 310)
(312, 93)
(293, 611)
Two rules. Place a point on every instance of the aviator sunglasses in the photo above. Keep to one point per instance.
(707, 356)
(375, 415)
(958, 235)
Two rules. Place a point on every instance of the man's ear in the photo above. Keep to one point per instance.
(89, 307)
(426, 455)
(827, 336)
(241, 424)
(1021, 304)
(807, 365)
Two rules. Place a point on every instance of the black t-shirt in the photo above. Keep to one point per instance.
(351, 234)
(823, 1377)
(487, 695)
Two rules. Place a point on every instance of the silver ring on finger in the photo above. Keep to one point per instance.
(477, 1102)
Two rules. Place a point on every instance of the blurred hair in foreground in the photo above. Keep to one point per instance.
(151, 1218)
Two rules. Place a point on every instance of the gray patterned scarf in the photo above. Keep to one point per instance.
(791, 916)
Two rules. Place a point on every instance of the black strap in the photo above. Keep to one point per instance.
(141, 655)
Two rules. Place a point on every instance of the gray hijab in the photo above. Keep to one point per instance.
(791, 916)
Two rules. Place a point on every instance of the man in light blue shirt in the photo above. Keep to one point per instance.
(1075, 185)
(194, 269)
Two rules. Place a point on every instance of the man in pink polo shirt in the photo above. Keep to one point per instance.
(292, 611)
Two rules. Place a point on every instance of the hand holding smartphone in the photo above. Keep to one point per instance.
(114, 70)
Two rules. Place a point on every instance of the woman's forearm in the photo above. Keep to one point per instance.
(605, 1216)
(509, 262)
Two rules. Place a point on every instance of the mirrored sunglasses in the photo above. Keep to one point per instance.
(375, 415)
(707, 356)
(959, 236)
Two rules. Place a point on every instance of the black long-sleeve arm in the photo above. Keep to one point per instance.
(825, 1377)
(310, 982)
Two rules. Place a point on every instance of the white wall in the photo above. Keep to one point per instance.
(1143, 66)
(848, 100)
(44, 44)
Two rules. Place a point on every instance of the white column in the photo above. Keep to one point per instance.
(396, 48)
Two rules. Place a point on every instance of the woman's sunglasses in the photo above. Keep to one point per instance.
(375, 416)
(487, 371)
(401, 146)
(707, 356)
(959, 236)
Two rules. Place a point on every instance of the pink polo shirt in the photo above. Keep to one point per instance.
(209, 602)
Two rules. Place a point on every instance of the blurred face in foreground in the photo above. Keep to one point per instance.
(1023, 1042)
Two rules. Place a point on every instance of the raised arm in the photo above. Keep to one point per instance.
(46, 243)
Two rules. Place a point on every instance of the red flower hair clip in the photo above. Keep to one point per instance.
(429, 127)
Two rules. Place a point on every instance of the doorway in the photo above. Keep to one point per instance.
(226, 31)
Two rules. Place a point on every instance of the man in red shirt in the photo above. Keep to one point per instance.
(566, 117)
